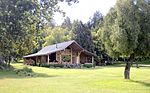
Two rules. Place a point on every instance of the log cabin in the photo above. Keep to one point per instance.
(70, 52)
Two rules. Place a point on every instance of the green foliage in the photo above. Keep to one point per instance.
(143, 61)
(56, 35)
(52, 65)
(82, 35)
(22, 23)
(105, 33)
(17, 32)
(45, 65)
(25, 71)
(66, 58)
(94, 24)
(87, 65)
(58, 65)
(96, 21)
(124, 33)
(67, 24)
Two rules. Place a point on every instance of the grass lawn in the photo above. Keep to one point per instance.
(107, 79)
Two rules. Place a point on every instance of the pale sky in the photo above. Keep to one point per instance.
(84, 9)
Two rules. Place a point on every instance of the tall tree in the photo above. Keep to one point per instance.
(143, 17)
(56, 35)
(122, 32)
(67, 24)
(14, 29)
(95, 21)
(82, 35)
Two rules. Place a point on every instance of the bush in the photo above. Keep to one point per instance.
(58, 65)
(45, 65)
(87, 65)
(66, 58)
(52, 65)
(27, 69)
(24, 72)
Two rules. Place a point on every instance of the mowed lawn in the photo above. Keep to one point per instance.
(106, 79)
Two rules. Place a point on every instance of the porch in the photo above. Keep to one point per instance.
(66, 57)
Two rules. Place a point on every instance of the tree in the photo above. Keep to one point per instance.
(94, 24)
(21, 23)
(67, 24)
(122, 31)
(56, 35)
(143, 17)
(96, 21)
(14, 29)
(82, 35)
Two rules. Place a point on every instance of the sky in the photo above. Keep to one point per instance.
(84, 9)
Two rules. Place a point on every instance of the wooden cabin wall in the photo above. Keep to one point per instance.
(58, 56)
(67, 52)
(74, 57)
(29, 61)
(85, 58)
(43, 59)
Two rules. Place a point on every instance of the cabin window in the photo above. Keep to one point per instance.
(66, 58)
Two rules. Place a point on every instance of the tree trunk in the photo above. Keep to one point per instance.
(127, 70)
(9, 60)
(137, 65)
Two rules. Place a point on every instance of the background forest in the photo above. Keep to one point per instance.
(26, 26)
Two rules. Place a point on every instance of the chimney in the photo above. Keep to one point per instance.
(56, 45)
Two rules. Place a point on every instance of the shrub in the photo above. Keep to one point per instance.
(59, 65)
(66, 58)
(27, 69)
(87, 65)
(45, 65)
(24, 72)
(52, 65)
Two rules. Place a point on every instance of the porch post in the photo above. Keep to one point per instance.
(78, 58)
(47, 59)
(71, 55)
(60, 57)
(36, 60)
(93, 61)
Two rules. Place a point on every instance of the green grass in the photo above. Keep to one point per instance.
(107, 79)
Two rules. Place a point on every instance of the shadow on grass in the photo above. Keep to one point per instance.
(141, 82)
(13, 75)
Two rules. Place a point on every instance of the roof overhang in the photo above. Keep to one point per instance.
(88, 53)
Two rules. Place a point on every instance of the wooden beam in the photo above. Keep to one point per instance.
(86, 59)
(93, 61)
(47, 59)
(78, 58)
(36, 60)
(60, 57)
(71, 55)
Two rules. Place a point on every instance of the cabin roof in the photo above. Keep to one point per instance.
(58, 47)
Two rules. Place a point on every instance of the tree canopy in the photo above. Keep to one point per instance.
(125, 32)
(22, 23)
